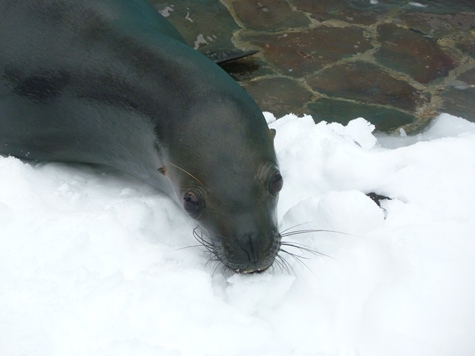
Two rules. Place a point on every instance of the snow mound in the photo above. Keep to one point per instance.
(93, 262)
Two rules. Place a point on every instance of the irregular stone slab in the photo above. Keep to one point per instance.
(280, 96)
(367, 83)
(204, 23)
(443, 6)
(468, 77)
(302, 53)
(267, 14)
(354, 12)
(439, 25)
(412, 53)
(416, 32)
(459, 98)
(467, 44)
(332, 110)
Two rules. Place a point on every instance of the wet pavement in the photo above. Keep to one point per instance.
(396, 63)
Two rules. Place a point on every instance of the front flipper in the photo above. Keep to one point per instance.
(224, 56)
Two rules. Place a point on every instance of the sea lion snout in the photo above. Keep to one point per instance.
(245, 244)
(259, 253)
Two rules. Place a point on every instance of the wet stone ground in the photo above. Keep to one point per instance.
(396, 63)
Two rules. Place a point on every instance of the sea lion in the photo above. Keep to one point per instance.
(111, 82)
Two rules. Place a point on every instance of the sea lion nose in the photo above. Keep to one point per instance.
(254, 259)
(250, 244)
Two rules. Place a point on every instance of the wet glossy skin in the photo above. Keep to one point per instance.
(112, 83)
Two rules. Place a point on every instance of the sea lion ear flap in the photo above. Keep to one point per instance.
(272, 133)
(163, 170)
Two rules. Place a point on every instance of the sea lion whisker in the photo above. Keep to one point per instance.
(298, 245)
(288, 267)
(214, 257)
(185, 171)
(281, 265)
(276, 263)
(201, 239)
(208, 262)
(210, 249)
(191, 246)
(284, 263)
(272, 269)
(205, 243)
(276, 267)
(304, 248)
(217, 264)
(226, 271)
(294, 226)
(211, 259)
(298, 232)
(298, 259)
(295, 255)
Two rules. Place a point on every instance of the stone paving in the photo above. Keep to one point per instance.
(396, 63)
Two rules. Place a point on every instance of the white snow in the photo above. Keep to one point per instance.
(165, 12)
(93, 262)
(417, 4)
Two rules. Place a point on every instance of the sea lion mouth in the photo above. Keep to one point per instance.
(251, 270)
(242, 265)
(247, 266)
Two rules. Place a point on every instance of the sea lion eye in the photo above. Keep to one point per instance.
(275, 184)
(191, 203)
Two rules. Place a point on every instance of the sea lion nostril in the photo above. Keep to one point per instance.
(251, 247)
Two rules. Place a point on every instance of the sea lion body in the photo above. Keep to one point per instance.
(111, 82)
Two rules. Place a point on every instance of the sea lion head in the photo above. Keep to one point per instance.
(226, 177)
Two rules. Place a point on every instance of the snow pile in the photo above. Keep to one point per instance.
(93, 262)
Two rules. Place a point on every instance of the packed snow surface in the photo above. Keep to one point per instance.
(93, 262)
